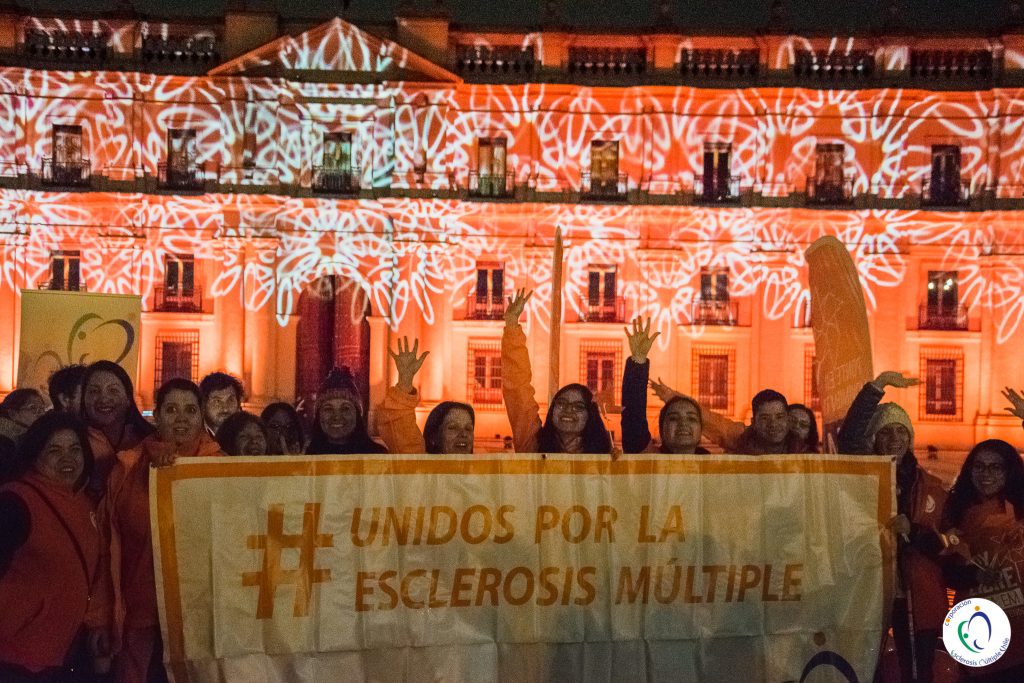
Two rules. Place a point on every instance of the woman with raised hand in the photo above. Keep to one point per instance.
(339, 425)
(49, 552)
(396, 415)
(112, 417)
(679, 422)
(573, 423)
(285, 433)
(871, 428)
(134, 631)
(983, 523)
(243, 434)
(449, 426)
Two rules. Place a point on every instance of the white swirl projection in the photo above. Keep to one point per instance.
(415, 129)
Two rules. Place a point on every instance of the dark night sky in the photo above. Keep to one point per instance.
(832, 16)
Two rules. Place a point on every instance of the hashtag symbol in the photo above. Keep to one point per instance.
(272, 575)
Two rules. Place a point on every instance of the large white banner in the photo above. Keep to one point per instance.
(697, 568)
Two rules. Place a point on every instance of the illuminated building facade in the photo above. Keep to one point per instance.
(284, 200)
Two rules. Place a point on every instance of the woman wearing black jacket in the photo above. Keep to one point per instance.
(679, 423)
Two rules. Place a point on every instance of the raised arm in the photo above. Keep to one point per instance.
(517, 378)
(853, 433)
(717, 428)
(636, 434)
(396, 416)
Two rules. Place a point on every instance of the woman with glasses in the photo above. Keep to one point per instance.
(984, 533)
(573, 423)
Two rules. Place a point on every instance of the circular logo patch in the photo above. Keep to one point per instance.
(976, 632)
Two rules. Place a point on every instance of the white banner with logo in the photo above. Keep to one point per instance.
(492, 568)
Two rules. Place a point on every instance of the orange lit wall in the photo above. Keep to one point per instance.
(412, 238)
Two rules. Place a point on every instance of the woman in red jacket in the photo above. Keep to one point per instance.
(49, 551)
(134, 633)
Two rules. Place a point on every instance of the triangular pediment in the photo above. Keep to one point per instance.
(339, 48)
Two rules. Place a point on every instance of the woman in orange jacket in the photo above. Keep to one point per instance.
(49, 552)
(449, 426)
(134, 634)
(573, 423)
(112, 417)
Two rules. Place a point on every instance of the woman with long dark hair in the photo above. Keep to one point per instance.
(573, 423)
(112, 417)
(803, 427)
(983, 521)
(339, 424)
(49, 552)
(134, 634)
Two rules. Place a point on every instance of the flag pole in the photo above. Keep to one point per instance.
(555, 343)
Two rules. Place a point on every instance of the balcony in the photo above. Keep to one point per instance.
(607, 62)
(718, 64)
(715, 312)
(175, 300)
(716, 190)
(605, 311)
(494, 60)
(61, 286)
(604, 187)
(188, 178)
(491, 185)
(942, 318)
(485, 308)
(198, 51)
(953, 65)
(336, 180)
(830, 193)
(66, 173)
(65, 46)
(834, 66)
(945, 193)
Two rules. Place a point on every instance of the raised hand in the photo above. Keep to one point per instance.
(1016, 401)
(890, 378)
(641, 339)
(516, 306)
(663, 391)
(408, 362)
(162, 454)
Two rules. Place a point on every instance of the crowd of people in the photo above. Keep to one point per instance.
(77, 587)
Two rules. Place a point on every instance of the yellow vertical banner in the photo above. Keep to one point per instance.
(842, 339)
(64, 328)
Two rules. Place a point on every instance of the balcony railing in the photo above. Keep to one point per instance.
(604, 187)
(951, 64)
(603, 311)
(485, 308)
(719, 63)
(942, 318)
(65, 46)
(66, 173)
(715, 312)
(491, 184)
(943, 193)
(336, 180)
(175, 300)
(716, 190)
(607, 61)
(197, 50)
(829, 192)
(180, 178)
(494, 59)
(834, 66)
(65, 286)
